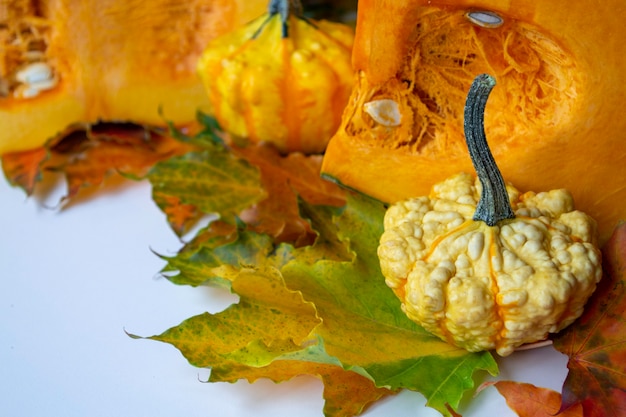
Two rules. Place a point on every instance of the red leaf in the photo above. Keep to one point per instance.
(528, 400)
(596, 343)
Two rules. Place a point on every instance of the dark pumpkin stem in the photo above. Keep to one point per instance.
(285, 8)
(494, 204)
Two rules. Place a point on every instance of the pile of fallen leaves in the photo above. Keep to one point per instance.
(301, 255)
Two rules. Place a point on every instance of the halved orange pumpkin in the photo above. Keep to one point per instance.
(108, 60)
(554, 119)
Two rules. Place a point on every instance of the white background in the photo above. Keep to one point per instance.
(72, 282)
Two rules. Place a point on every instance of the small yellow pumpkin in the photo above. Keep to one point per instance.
(283, 78)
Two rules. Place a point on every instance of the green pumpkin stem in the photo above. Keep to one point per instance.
(285, 8)
(494, 204)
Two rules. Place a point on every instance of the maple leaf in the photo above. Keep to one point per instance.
(347, 320)
(596, 343)
(346, 393)
(528, 400)
(288, 178)
(364, 326)
(212, 181)
(268, 201)
(23, 169)
(215, 249)
(221, 246)
(87, 156)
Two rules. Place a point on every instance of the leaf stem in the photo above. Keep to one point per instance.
(494, 204)
(285, 8)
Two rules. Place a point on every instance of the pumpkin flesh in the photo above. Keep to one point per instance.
(553, 122)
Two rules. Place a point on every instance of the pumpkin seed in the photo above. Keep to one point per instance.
(484, 18)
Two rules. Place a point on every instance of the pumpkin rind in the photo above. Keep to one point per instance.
(118, 61)
(555, 123)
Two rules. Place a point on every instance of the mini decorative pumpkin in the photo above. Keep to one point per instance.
(557, 121)
(66, 61)
(283, 78)
(482, 265)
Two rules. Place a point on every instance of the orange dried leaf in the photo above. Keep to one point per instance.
(87, 156)
(528, 400)
(179, 215)
(346, 393)
(596, 343)
(300, 172)
(98, 154)
(287, 178)
(23, 169)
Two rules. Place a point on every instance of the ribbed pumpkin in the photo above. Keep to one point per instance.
(554, 122)
(283, 78)
(104, 60)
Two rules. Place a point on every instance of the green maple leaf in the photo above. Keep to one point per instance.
(323, 310)
(212, 180)
(364, 326)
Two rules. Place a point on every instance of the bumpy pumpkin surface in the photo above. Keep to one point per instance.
(556, 122)
(70, 61)
(283, 79)
(490, 287)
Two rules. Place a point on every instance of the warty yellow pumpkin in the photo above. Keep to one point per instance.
(480, 264)
(554, 122)
(67, 61)
(283, 78)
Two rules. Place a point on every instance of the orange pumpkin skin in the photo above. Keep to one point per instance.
(553, 121)
(118, 61)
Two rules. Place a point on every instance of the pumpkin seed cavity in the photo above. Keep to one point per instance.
(24, 70)
(448, 47)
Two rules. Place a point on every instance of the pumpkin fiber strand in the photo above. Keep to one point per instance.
(494, 204)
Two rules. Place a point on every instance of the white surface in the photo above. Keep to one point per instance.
(72, 281)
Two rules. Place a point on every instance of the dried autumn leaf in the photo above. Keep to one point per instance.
(299, 172)
(267, 335)
(346, 393)
(528, 400)
(212, 181)
(268, 321)
(180, 216)
(23, 169)
(364, 326)
(283, 181)
(87, 156)
(287, 178)
(222, 246)
(596, 343)
(356, 322)
(111, 150)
